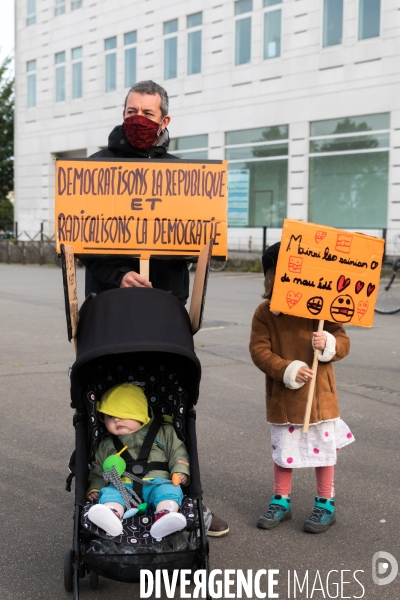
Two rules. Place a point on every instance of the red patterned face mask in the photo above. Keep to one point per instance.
(140, 131)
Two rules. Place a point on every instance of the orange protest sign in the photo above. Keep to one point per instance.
(143, 208)
(325, 273)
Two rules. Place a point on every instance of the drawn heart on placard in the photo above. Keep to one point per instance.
(370, 289)
(374, 264)
(342, 283)
(320, 235)
(292, 298)
(359, 286)
(362, 308)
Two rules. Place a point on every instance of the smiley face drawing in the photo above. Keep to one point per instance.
(320, 235)
(315, 304)
(342, 308)
(295, 264)
(362, 308)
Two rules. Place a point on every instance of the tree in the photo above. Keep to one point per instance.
(6, 145)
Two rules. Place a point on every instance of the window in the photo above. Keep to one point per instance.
(110, 46)
(333, 22)
(130, 58)
(170, 49)
(76, 55)
(369, 19)
(31, 12)
(257, 176)
(31, 70)
(60, 76)
(272, 28)
(243, 32)
(60, 7)
(194, 146)
(349, 164)
(194, 23)
(76, 4)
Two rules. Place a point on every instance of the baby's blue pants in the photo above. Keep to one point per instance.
(152, 494)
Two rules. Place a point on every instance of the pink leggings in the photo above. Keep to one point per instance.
(324, 476)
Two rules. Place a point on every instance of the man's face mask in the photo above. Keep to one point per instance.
(140, 131)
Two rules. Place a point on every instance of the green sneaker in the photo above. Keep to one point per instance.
(322, 516)
(279, 509)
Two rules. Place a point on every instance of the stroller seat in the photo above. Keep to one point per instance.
(166, 396)
(136, 529)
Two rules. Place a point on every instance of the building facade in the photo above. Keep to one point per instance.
(301, 96)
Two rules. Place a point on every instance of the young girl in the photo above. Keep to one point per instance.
(282, 346)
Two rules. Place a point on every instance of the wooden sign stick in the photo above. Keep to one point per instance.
(70, 292)
(312, 382)
(145, 268)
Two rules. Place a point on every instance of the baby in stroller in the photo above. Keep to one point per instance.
(125, 411)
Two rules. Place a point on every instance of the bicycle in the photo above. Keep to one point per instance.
(388, 300)
(215, 265)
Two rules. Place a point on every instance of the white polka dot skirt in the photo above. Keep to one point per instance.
(317, 448)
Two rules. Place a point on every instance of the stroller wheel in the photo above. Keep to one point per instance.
(68, 570)
(94, 580)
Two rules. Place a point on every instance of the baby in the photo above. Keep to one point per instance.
(125, 412)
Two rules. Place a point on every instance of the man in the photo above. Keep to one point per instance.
(143, 134)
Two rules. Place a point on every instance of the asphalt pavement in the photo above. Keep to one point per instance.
(37, 438)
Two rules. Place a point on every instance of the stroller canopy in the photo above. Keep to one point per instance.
(137, 320)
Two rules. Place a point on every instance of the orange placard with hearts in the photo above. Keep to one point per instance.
(327, 274)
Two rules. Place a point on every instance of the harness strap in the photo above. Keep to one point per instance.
(140, 466)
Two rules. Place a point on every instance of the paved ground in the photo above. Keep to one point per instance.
(37, 438)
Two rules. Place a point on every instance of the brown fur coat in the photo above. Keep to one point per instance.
(276, 341)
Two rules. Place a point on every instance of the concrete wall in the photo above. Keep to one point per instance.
(306, 83)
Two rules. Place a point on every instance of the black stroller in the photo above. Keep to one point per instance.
(143, 336)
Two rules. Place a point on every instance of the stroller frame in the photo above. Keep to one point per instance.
(116, 326)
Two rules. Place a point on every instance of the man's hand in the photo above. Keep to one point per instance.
(133, 279)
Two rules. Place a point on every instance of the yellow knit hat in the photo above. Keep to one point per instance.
(125, 401)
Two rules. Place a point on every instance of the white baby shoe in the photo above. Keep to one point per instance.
(105, 518)
(167, 523)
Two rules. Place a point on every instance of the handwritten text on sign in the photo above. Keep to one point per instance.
(143, 207)
(326, 273)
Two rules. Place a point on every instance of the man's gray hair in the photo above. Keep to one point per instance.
(151, 88)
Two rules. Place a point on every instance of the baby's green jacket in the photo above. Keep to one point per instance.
(167, 447)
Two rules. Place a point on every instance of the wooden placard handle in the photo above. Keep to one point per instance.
(70, 292)
(145, 268)
(312, 382)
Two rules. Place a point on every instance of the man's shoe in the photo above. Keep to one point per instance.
(279, 509)
(218, 527)
(322, 516)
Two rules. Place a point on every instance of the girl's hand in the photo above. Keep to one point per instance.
(319, 340)
(304, 374)
(93, 496)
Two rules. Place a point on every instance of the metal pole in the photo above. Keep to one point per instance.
(264, 239)
(384, 235)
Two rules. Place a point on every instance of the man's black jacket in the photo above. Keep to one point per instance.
(106, 273)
